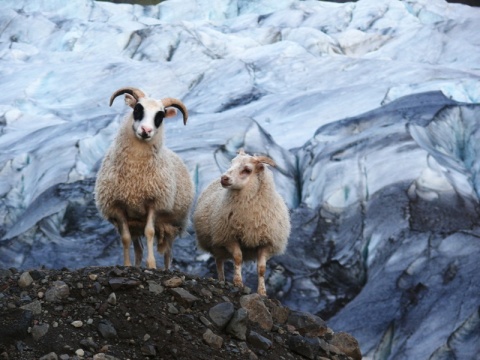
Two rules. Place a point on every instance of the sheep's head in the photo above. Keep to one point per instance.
(148, 114)
(243, 169)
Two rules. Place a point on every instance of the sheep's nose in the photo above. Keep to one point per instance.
(146, 129)
(225, 180)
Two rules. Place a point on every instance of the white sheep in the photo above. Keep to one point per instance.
(142, 187)
(242, 217)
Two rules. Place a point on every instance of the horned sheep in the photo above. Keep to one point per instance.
(143, 188)
(242, 217)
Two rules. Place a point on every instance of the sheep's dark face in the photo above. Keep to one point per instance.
(244, 169)
(148, 115)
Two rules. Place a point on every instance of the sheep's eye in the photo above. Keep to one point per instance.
(138, 112)
(246, 171)
(159, 118)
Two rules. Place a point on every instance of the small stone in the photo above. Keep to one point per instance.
(58, 292)
(173, 282)
(77, 323)
(49, 356)
(80, 352)
(40, 294)
(89, 321)
(103, 356)
(148, 350)
(55, 324)
(39, 331)
(212, 339)
(93, 277)
(146, 337)
(206, 292)
(154, 287)
(112, 299)
(35, 307)
(25, 280)
(221, 314)
(172, 309)
(205, 321)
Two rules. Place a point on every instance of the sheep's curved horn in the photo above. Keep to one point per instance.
(178, 105)
(136, 93)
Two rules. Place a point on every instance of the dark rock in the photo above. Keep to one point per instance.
(237, 327)
(36, 274)
(123, 283)
(88, 344)
(259, 341)
(149, 350)
(347, 344)
(306, 347)
(307, 324)
(221, 314)
(106, 329)
(183, 296)
(257, 311)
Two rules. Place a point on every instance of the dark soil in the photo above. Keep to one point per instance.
(152, 314)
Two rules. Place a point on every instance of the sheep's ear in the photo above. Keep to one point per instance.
(130, 100)
(241, 151)
(170, 112)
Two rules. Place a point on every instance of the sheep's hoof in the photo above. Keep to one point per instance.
(151, 265)
(238, 283)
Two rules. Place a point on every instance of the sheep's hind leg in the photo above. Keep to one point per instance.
(234, 249)
(150, 235)
(138, 247)
(220, 272)
(261, 268)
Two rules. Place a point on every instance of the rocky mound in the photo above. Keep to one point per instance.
(130, 313)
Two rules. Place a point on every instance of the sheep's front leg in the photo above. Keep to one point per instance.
(138, 247)
(261, 268)
(234, 249)
(150, 235)
(220, 273)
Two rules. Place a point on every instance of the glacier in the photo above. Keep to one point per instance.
(370, 110)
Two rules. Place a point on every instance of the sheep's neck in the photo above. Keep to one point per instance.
(142, 149)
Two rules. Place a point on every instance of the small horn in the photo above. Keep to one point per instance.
(167, 102)
(265, 160)
(136, 93)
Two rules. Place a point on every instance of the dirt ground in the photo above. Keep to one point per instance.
(134, 313)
